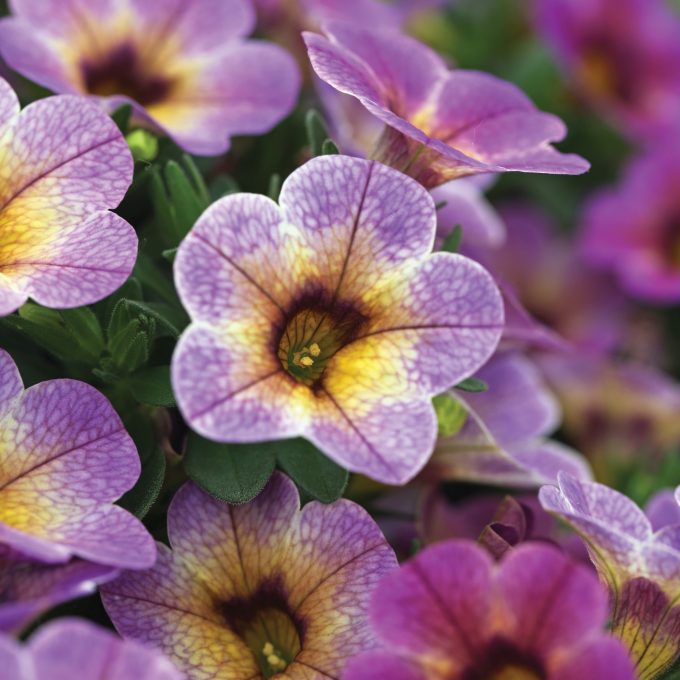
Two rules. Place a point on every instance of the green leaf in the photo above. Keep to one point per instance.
(274, 187)
(188, 206)
(132, 353)
(472, 385)
(121, 117)
(197, 179)
(170, 254)
(53, 338)
(84, 326)
(165, 218)
(223, 185)
(452, 241)
(329, 148)
(152, 386)
(316, 132)
(317, 474)
(451, 415)
(235, 473)
(169, 321)
(139, 499)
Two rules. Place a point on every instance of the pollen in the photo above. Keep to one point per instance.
(273, 657)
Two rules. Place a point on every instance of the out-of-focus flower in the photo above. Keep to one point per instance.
(640, 566)
(74, 648)
(504, 522)
(452, 614)
(64, 163)
(183, 65)
(27, 589)
(634, 229)
(328, 318)
(64, 458)
(663, 509)
(614, 411)
(623, 55)
(250, 591)
(579, 303)
(440, 124)
(503, 439)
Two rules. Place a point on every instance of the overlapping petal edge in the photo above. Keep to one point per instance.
(441, 124)
(504, 441)
(640, 566)
(75, 648)
(64, 458)
(306, 573)
(184, 66)
(350, 243)
(64, 163)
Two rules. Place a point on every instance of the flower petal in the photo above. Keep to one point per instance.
(380, 665)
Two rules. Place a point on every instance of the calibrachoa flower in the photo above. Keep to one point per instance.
(634, 229)
(73, 648)
(614, 411)
(64, 162)
(328, 318)
(640, 566)
(183, 65)
(452, 614)
(623, 55)
(250, 591)
(503, 439)
(64, 457)
(440, 124)
(27, 589)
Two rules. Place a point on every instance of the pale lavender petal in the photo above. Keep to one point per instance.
(663, 509)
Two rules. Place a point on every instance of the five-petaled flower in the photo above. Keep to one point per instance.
(440, 124)
(183, 65)
(63, 162)
(450, 613)
(75, 648)
(64, 458)
(250, 591)
(640, 565)
(329, 318)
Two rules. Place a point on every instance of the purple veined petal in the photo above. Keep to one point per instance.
(547, 459)
(65, 457)
(66, 162)
(663, 509)
(9, 103)
(29, 589)
(11, 385)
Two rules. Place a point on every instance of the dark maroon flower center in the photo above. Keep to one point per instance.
(121, 71)
(671, 242)
(314, 330)
(267, 624)
(503, 660)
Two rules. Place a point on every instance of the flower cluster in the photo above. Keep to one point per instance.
(316, 359)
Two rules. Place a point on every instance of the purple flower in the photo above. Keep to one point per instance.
(327, 317)
(64, 458)
(614, 410)
(64, 164)
(451, 613)
(27, 589)
(250, 591)
(66, 649)
(440, 124)
(183, 65)
(623, 55)
(634, 229)
(641, 566)
(503, 439)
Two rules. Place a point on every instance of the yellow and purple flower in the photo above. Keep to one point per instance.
(451, 613)
(327, 317)
(504, 438)
(640, 565)
(622, 55)
(64, 163)
(66, 649)
(256, 590)
(183, 65)
(439, 124)
(64, 458)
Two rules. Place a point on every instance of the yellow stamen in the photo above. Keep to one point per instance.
(307, 361)
(268, 649)
(314, 349)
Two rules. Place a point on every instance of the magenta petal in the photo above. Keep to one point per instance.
(602, 657)
(380, 665)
